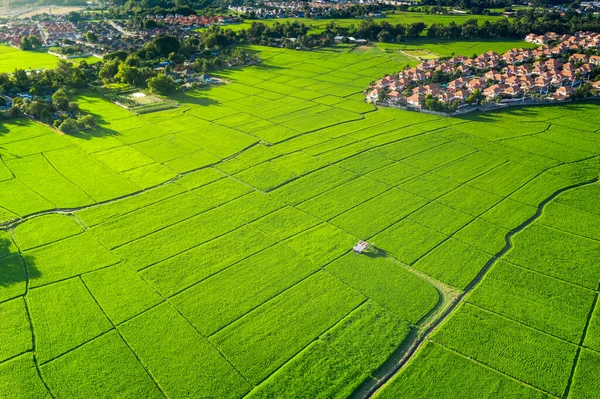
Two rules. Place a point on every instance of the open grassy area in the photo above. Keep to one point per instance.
(12, 58)
(205, 250)
(433, 48)
(318, 25)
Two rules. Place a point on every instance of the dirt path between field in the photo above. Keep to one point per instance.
(415, 341)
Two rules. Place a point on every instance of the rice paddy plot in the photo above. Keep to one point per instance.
(257, 344)
(102, 366)
(19, 379)
(216, 239)
(12, 58)
(319, 370)
(374, 277)
(550, 305)
(242, 287)
(15, 337)
(437, 371)
(572, 220)
(186, 363)
(557, 254)
(182, 271)
(64, 316)
(374, 215)
(520, 352)
(45, 230)
(584, 379)
(62, 259)
(453, 263)
(423, 239)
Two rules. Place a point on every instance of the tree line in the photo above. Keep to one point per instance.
(46, 95)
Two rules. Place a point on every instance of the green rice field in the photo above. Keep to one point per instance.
(319, 25)
(205, 251)
(12, 58)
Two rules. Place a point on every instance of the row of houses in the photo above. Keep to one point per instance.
(192, 21)
(517, 73)
(48, 32)
(12, 32)
(53, 31)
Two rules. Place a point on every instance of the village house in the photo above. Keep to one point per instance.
(416, 100)
(395, 96)
(494, 91)
(562, 93)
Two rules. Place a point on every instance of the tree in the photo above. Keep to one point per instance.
(13, 112)
(25, 44)
(583, 91)
(433, 31)
(69, 125)
(60, 100)
(86, 122)
(165, 45)
(161, 84)
(130, 75)
(35, 41)
(20, 80)
(383, 95)
(73, 16)
(475, 97)
(120, 55)
(91, 37)
(415, 30)
(109, 69)
(384, 36)
(150, 24)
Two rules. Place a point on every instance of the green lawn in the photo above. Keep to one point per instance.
(318, 25)
(12, 58)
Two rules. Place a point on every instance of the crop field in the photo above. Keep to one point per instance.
(319, 25)
(12, 58)
(434, 48)
(205, 251)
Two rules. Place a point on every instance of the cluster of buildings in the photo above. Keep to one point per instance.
(552, 71)
(11, 32)
(192, 21)
(299, 9)
(111, 35)
(52, 32)
(272, 10)
(48, 32)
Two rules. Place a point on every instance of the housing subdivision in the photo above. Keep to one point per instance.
(562, 68)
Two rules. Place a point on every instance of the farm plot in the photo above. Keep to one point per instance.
(257, 342)
(437, 371)
(12, 58)
(193, 265)
(319, 370)
(98, 368)
(64, 316)
(521, 352)
(376, 277)
(242, 287)
(15, 336)
(186, 363)
(62, 259)
(550, 305)
(561, 255)
(208, 253)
